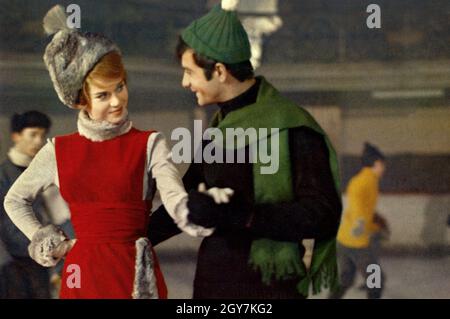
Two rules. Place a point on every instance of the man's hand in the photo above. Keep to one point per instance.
(385, 231)
(212, 208)
(382, 222)
(203, 210)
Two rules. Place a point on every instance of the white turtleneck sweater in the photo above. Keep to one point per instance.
(42, 173)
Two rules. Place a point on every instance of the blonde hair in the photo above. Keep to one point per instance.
(109, 67)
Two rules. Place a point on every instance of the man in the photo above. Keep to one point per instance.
(358, 236)
(21, 277)
(256, 250)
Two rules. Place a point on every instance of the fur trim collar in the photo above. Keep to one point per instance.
(18, 158)
(98, 131)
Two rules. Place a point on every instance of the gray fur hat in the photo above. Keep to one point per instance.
(71, 55)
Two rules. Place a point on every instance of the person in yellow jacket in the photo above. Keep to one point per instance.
(360, 223)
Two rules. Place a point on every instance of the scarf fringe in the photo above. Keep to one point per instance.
(281, 261)
(326, 278)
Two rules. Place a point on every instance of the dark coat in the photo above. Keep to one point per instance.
(15, 241)
(21, 278)
(222, 267)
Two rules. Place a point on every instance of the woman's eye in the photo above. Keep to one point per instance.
(101, 96)
(120, 88)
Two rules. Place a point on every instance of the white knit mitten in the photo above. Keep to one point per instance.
(44, 244)
(220, 195)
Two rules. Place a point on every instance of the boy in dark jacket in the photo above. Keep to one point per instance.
(22, 277)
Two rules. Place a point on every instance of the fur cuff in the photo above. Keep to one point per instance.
(144, 279)
(43, 245)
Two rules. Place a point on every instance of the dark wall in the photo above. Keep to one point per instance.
(407, 173)
(336, 30)
(313, 30)
(140, 27)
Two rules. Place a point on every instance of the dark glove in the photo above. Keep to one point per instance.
(204, 211)
(382, 222)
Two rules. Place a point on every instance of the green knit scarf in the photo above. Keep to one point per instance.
(276, 259)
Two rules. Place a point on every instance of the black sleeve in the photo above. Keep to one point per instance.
(162, 226)
(316, 209)
(193, 177)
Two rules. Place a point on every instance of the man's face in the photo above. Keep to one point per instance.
(30, 140)
(207, 92)
(379, 167)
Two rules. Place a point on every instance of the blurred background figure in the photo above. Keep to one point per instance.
(361, 227)
(20, 276)
(5, 259)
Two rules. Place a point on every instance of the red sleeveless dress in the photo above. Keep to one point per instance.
(103, 184)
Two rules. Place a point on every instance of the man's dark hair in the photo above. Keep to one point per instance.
(20, 122)
(371, 154)
(241, 71)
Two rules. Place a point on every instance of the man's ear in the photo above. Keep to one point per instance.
(222, 71)
(15, 136)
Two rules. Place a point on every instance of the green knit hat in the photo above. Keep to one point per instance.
(219, 35)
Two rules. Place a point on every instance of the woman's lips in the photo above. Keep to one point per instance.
(116, 111)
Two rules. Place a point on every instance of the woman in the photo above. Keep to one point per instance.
(104, 172)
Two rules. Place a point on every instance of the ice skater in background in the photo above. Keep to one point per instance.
(20, 276)
(361, 227)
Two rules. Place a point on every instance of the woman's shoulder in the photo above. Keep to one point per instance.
(139, 131)
(65, 136)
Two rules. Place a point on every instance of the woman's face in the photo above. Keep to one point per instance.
(108, 100)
